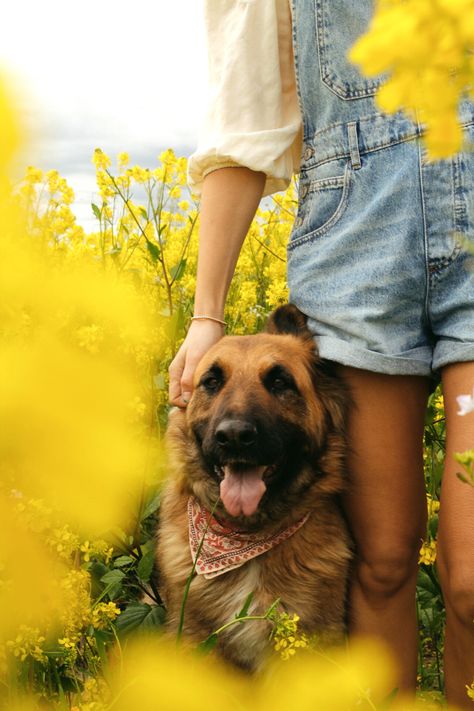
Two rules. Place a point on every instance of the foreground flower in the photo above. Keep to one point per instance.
(428, 83)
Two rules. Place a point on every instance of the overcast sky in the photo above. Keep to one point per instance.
(125, 76)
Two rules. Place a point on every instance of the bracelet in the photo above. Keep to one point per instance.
(208, 318)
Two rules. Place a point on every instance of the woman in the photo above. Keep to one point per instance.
(377, 260)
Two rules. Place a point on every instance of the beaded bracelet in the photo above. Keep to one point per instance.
(208, 318)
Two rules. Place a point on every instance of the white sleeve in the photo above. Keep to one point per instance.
(253, 117)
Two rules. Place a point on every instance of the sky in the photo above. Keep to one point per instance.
(122, 76)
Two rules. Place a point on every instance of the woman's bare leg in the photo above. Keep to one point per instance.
(456, 540)
(386, 509)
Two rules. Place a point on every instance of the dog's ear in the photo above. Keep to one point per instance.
(288, 319)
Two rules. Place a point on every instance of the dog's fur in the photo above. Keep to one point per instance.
(298, 407)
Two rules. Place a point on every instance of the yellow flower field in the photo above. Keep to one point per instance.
(89, 323)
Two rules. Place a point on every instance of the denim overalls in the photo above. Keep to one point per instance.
(380, 254)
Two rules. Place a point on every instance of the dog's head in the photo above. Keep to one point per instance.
(265, 422)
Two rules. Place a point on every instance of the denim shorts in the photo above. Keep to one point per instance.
(381, 256)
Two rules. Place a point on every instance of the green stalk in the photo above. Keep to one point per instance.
(191, 576)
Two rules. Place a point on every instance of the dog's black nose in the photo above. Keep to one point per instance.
(232, 433)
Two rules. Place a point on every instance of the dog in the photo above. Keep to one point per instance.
(264, 436)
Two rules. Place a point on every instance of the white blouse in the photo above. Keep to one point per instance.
(253, 118)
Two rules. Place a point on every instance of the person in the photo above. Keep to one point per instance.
(378, 260)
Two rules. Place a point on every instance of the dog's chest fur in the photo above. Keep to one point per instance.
(307, 572)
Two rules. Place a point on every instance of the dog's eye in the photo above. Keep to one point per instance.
(278, 380)
(212, 380)
(211, 383)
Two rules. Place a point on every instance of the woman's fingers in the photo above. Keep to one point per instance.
(175, 371)
(201, 336)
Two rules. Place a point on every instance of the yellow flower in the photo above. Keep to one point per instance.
(105, 185)
(427, 84)
(63, 541)
(27, 643)
(433, 505)
(175, 192)
(103, 614)
(100, 159)
(139, 175)
(33, 175)
(168, 157)
(96, 549)
(53, 179)
(427, 554)
(286, 638)
(123, 160)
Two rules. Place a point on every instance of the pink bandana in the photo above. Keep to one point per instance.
(223, 548)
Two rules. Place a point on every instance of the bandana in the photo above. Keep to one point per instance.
(224, 548)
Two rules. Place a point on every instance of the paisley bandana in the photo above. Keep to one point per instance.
(223, 548)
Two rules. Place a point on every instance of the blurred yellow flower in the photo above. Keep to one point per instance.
(155, 674)
(123, 160)
(27, 643)
(426, 48)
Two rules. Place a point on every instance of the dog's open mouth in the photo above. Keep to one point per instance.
(242, 486)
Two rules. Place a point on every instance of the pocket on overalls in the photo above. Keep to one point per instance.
(322, 202)
(339, 23)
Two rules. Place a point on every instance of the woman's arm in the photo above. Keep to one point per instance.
(230, 197)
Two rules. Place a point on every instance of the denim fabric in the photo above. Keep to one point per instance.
(381, 253)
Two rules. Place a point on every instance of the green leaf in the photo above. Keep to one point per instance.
(96, 211)
(140, 616)
(245, 609)
(132, 617)
(208, 644)
(145, 566)
(154, 250)
(113, 580)
(143, 213)
(102, 638)
(97, 570)
(151, 506)
(113, 576)
(123, 560)
(178, 270)
(155, 619)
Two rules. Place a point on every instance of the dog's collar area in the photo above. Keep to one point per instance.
(223, 548)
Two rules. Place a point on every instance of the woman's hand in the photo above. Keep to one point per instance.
(229, 199)
(200, 337)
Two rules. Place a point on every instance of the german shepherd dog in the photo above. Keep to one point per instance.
(264, 437)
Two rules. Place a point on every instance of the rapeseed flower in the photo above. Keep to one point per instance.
(103, 614)
(286, 637)
(427, 555)
(425, 47)
(27, 643)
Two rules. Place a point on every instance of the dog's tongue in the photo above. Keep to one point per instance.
(242, 489)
